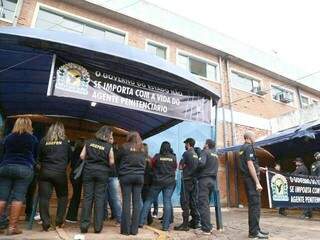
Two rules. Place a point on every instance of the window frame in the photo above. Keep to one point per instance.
(292, 104)
(78, 18)
(14, 15)
(313, 100)
(245, 74)
(309, 100)
(202, 59)
(160, 44)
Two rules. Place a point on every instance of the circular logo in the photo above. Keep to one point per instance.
(279, 187)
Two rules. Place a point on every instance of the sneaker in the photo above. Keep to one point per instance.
(37, 217)
(259, 236)
(264, 232)
(71, 221)
(182, 227)
(201, 232)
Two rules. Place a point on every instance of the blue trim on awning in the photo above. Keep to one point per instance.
(25, 63)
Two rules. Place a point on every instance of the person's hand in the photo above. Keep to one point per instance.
(258, 187)
(263, 169)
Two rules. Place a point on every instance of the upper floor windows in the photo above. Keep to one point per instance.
(198, 66)
(51, 20)
(282, 95)
(245, 83)
(8, 9)
(157, 49)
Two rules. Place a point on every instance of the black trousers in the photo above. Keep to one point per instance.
(47, 181)
(30, 195)
(131, 187)
(75, 199)
(188, 200)
(254, 205)
(206, 186)
(94, 191)
(144, 195)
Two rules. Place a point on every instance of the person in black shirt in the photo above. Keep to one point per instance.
(301, 169)
(98, 156)
(72, 215)
(188, 165)
(54, 156)
(250, 169)
(131, 173)
(207, 182)
(164, 165)
(315, 167)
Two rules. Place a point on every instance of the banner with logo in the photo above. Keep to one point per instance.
(293, 191)
(74, 80)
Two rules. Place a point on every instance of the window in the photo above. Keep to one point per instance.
(315, 102)
(8, 9)
(157, 50)
(197, 66)
(304, 101)
(52, 21)
(244, 82)
(282, 95)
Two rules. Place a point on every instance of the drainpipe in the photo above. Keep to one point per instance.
(232, 137)
(17, 13)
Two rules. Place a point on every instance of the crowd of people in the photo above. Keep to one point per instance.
(98, 165)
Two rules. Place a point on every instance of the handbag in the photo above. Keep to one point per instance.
(78, 171)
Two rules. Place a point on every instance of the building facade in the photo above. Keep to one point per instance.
(254, 87)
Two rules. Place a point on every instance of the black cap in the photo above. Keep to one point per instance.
(298, 159)
(191, 141)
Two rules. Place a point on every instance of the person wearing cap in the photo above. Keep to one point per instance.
(315, 167)
(207, 182)
(249, 166)
(188, 165)
(301, 169)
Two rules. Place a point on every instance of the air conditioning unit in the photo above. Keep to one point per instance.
(258, 91)
(285, 97)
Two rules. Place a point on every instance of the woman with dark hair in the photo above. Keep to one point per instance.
(16, 170)
(164, 164)
(131, 173)
(98, 156)
(54, 155)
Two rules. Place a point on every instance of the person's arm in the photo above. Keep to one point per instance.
(40, 155)
(254, 176)
(182, 162)
(83, 153)
(111, 157)
(203, 159)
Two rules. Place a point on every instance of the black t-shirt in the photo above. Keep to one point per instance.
(247, 153)
(97, 155)
(189, 162)
(208, 164)
(131, 162)
(301, 170)
(164, 169)
(148, 173)
(54, 155)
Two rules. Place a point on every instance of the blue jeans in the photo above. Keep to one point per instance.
(154, 191)
(14, 182)
(113, 199)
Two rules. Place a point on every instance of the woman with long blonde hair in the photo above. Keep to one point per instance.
(16, 169)
(53, 158)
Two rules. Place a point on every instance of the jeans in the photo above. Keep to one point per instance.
(167, 192)
(131, 187)
(72, 214)
(113, 199)
(94, 191)
(48, 180)
(30, 195)
(206, 187)
(188, 200)
(144, 195)
(254, 204)
(14, 182)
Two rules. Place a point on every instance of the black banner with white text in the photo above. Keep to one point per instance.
(293, 191)
(74, 80)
